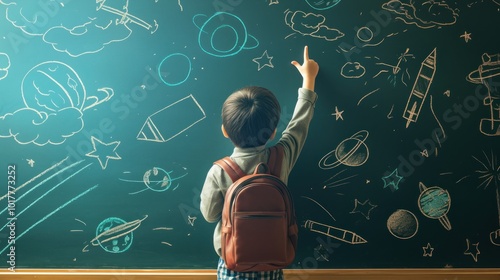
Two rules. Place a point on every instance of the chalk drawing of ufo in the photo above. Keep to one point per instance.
(434, 203)
(351, 152)
(223, 35)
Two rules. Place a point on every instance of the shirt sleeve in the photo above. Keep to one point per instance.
(295, 134)
(212, 199)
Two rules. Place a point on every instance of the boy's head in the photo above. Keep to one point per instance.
(250, 116)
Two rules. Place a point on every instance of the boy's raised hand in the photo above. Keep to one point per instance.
(309, 70)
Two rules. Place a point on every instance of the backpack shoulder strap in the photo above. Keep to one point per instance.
(275, 160)
(232, 169)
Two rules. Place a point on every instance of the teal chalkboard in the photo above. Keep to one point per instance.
(110, 119)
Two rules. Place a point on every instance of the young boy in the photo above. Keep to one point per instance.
(249, 119)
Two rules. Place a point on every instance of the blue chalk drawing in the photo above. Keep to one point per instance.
(322, 4)
(49, 215)
(227, 26)
(434, 203)
(392, 180)
(114, 235)
(179, 61)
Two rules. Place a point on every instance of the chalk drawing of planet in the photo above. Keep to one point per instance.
(115, 235)
(402, 224)
(174, 69)
(52, 86)
(434, 203)
(322, 4)
(223, 34)
(351, 152)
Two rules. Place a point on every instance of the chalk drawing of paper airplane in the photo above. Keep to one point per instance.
(172, 120)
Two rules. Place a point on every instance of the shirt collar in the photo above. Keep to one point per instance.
(242, 152)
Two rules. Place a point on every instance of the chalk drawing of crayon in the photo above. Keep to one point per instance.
(172, 120)
(420, 88)
(333, 232)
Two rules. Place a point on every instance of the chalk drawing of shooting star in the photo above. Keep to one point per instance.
(420, 89)
(36, 203)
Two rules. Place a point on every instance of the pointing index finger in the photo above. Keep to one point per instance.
(306, 53)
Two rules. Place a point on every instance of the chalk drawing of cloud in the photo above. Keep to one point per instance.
(327, 33)
(352, 70)
(310, 24)
(423, 14)
(27, 126)
(36, 17)
(4, 65)
(90, 37)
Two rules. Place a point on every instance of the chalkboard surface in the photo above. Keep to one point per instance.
(110, 119)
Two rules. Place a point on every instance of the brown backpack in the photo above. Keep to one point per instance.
(259, 229)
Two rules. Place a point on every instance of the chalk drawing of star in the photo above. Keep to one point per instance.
(337, 114)
(392, 179)
(428, 250)
(191, 220)
(466, 36)
(263, 62)
(470, 250)
(363, 207)
(31, 162)
(271, 2)
(425, 153)
(104, 151)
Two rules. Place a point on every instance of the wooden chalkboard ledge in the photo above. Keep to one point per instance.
(326, 274)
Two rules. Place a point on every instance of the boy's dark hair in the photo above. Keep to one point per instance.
(250, 116)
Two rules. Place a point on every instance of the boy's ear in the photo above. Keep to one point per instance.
(224, 132)
(274, 134)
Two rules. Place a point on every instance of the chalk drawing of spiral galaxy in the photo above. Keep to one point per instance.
(351, 152)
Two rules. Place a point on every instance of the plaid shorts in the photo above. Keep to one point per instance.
(223, 273)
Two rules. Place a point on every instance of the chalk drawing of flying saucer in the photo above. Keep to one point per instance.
(351, 152)
(434, 203)
(115, 235)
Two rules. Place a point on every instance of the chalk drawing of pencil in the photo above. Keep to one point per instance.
(334, 232)
(172, 120)
(420, 88)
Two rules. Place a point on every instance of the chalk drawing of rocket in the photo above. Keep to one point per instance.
(420, 89)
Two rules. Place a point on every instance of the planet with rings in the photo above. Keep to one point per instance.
(351, 152)
(434, 203)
